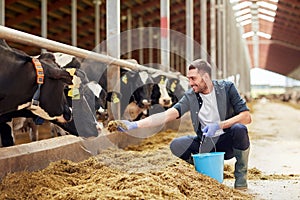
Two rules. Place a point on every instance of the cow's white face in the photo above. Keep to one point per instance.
(164, 100)
(63, 59)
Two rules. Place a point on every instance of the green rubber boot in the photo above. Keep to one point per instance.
(241, 168)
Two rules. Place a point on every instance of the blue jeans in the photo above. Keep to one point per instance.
(234, 137)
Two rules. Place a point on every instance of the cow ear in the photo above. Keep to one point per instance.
(47, 55)
(113, 96)
(59, 74)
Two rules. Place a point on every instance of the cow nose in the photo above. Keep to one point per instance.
(167, 101)
(146, 102)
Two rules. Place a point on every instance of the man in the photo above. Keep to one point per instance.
(218, 113)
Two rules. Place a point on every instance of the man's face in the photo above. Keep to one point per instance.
(196, 81)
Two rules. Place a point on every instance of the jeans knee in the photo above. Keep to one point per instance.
(240, 136)
(174, 147)
(180, 148)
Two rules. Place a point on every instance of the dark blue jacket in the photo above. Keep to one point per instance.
(229, 103)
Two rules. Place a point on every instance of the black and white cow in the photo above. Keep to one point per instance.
(164, 99)
(134, 87)
(176, 88)
(18, 84)
(137, 93)
(30, 88)
(85, 97)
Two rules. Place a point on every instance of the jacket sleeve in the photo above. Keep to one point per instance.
(237, 102)
(182, 106)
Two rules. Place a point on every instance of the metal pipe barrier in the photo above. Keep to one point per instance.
(29, 39)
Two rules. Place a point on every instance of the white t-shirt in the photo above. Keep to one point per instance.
(209, 111)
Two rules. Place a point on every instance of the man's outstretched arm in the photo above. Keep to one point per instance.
(158, 118)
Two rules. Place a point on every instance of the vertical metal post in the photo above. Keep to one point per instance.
(189, 31)
(165, 34)
(177, 61)
(213, 37)
(219, 40)
(44, 21)
(224, 28)
(150, 45)
(74, 22)
(141, 40)
(129, 40)
(2, 13)
(203, 30)
(172, 55)
(255, 29)
(113, 49)
(183, 68)
(97, 24)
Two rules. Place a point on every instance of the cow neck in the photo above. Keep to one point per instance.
(39, 80)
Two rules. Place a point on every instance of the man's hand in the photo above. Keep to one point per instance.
(210, 129)
(121, 125)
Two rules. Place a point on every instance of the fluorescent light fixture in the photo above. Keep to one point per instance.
(265, 35)
(242, 5)
(267, 5)
(242, 12)
(245, 22)
(265, 17)
(275, 1)
(244, 17)
(248, 34)
(268, 12)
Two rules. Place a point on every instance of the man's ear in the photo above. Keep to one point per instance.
(206, 77)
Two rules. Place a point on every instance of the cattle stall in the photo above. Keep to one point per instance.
(21, 157)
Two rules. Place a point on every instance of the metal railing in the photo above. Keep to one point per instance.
(29, 39)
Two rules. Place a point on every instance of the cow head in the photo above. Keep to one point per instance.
(136, 87)
(175, 89)
(161, 85)
(52, 98)
(85, 96)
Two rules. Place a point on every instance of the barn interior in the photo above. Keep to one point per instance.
(267, 31)
(236, 36)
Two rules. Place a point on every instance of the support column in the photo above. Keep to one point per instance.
(189, 31)
(255, 29)
(74, 23)
(203, 30)
(224, 28)
(44, 20)
(97, 25)
(165, 34)
(129, 40)
(113, 49)
(213, 38)
(2, 12)
(151, 45)
(141, 40)
(219, 40)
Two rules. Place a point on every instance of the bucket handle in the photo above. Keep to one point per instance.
(202, 140)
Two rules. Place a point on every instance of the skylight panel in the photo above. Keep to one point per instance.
(242, 5)
(242, 12)
(244, 17)
(264, 35)
(265, 17)
(267, 5)
(268, 12)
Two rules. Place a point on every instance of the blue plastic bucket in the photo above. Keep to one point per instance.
(210, 164)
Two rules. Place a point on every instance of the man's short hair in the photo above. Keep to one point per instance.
(202, 66)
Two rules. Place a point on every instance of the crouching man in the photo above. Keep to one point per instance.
(218, 114)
